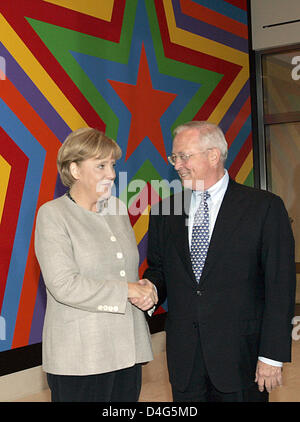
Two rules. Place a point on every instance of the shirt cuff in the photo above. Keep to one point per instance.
(270, 361)
(150, 311)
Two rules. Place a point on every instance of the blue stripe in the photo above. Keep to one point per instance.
(226, 9)
(98, 70)
(235, 107)
(239, 142)
(209, 31)
(36, 154)
(34, 97)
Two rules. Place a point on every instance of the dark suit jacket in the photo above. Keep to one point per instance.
(244, 303)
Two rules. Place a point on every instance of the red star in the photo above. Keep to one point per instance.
(146, 105)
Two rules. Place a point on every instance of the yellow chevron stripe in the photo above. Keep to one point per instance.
(201, 44)
(5, 169)
(245, 169)
(99, 9)
(39, 76)
(141, 226)
(229, 96)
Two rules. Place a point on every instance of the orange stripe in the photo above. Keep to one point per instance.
(202, 13)
(143, 267)
(26, 114)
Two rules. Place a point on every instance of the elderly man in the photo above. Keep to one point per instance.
(226, 266)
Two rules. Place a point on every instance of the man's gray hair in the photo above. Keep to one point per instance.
(210, 135)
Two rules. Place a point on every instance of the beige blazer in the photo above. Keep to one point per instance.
(86, 260)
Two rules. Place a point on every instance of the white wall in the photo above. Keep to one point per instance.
(268, 12)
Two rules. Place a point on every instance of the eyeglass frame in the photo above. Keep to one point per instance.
(187, 156)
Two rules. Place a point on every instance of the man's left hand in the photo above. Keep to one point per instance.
(268, 376)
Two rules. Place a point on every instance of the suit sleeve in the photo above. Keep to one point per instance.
(155, 272)
(278, 262)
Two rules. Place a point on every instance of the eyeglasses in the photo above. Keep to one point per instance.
(183, 157)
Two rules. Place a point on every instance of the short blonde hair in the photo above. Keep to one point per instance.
(81, 145)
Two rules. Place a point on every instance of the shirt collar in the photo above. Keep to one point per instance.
(218, 188)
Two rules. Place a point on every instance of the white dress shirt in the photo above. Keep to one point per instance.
(217, 192)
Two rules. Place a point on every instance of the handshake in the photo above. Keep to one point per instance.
(142, 294)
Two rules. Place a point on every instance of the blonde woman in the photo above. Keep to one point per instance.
(94, 338)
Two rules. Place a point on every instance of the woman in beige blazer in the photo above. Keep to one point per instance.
(94, 338)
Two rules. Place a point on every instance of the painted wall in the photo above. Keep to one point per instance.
(135, 69)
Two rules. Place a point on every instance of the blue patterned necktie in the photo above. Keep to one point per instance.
(200, 236)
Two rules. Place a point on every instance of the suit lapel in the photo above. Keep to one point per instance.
(231, 212)
(179, 229)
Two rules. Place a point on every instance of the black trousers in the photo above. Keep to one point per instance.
(201, 389)
(123, 385)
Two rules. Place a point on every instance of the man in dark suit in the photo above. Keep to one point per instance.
(230, 304)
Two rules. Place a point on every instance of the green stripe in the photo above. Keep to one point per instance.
(61, 41)
(208, 79)
(250, 179)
